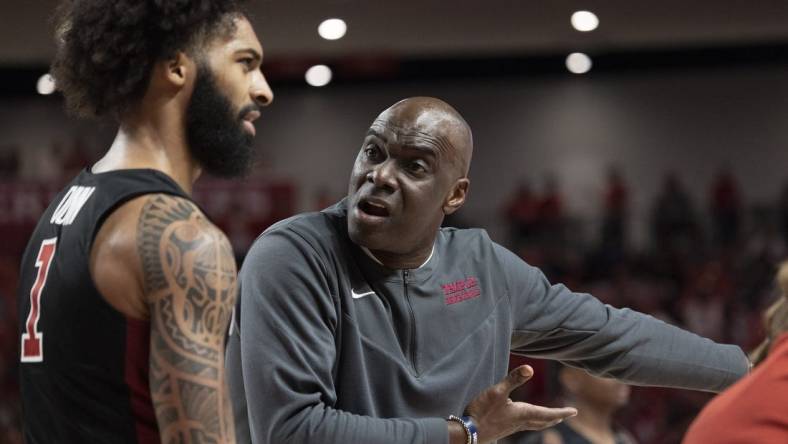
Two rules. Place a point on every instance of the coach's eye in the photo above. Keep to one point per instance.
(372, 152)
(416, 167)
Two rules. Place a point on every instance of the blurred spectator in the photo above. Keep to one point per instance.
(703, 302)
(725, 206)
(10, 411)
(240, 229)
(550, 212)
(521, 214)
(614, 220)
(41, 164)
(611, 250)
(9, 161)
(597, 400)
(76, 157)
(674, 220)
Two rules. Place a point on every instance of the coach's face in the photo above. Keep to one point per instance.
(407, 176)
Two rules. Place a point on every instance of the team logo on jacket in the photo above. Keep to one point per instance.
(461, 290)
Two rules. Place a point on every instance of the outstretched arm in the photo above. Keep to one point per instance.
(189, 279)
(580, 331)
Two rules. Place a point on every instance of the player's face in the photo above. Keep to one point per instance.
(229, 90)
(399, 184)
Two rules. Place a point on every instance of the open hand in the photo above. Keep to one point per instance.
(497, 416)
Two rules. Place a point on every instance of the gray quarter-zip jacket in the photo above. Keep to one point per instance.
(327, 346)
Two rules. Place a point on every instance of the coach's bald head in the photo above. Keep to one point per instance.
(439, 119)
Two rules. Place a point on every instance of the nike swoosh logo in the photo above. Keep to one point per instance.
(360, 295)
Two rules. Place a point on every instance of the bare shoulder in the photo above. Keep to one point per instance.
(173, 240)
(140, 247)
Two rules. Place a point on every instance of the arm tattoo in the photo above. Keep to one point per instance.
(190, 283)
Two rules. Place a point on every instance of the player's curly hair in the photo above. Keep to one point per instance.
(106, 49)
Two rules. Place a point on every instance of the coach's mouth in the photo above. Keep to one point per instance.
(374, 207)
(372, 210)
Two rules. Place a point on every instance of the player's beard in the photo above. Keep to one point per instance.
(214, 130)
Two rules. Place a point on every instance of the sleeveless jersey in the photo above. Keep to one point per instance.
(84, 365)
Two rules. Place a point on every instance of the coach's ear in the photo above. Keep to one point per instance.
(456, 197)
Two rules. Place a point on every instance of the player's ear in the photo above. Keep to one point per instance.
(179, 68)
(456, 197)
(173, 73)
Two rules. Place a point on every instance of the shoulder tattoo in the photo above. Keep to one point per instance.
(189, 276)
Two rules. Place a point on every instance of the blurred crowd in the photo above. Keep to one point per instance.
(706, 267)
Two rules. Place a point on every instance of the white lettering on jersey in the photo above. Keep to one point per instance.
(72, 202)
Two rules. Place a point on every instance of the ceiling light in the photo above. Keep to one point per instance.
(578, 63)
(318, 75)
(45, 85)
(585, 21)
(332, 29)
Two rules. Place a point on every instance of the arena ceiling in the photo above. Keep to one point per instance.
(458, 28)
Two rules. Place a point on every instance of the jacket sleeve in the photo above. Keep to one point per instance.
(283, 354)
(552, 322)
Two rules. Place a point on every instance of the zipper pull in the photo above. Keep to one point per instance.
(405, 275)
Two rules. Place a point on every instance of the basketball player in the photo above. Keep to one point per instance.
(126, 287)
(368, 323)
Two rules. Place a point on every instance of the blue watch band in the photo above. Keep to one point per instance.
(468, 421)
(471, 437)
